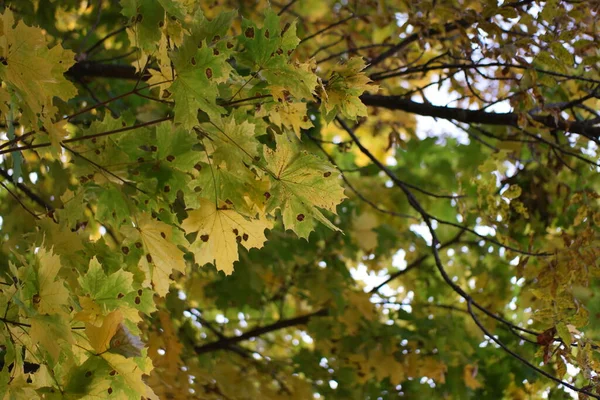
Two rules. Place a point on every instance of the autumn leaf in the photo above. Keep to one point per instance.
(220, 230)
(161, 255)
(300, 183)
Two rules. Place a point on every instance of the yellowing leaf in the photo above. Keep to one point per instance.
(35, 72)
(131, 371)
(162, 256)
(50, 332)
(291, 115)
(345, 84)
(301, 182)
(470, 375)
(53, 295)
(220, 231)
(100, 336)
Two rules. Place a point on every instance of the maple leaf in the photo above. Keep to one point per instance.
(231, 144)
(52, 333)
(301, 182)
(195, 87)
(52, 295)
(291, 115)
(100, 336)
(162, 256)
(219, 233)
(106, 290)
(33, 71)
(343, 88)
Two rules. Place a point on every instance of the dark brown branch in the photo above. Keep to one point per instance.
(226, 342)
(585, 128)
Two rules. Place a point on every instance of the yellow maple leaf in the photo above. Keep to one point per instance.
(470, 375)
(291, 115)
(35, 72)
(220, 231)
(99, 336)
(53, 295)
(131, 371)
(162, 256)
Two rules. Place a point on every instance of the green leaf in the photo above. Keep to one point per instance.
(301, 182)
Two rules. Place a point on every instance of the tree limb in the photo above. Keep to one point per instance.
(226, 342)
(584, 128)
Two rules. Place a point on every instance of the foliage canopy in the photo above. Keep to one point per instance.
(239, 200)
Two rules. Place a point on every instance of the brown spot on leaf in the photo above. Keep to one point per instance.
(327, 174)
(267, 34)
(198, 167)
(110, 390)
(162, 234)
(216, 52)
(88, 374)
(125, 250)
(229, 45)
(285, 28)
(279, 51)
(148, 258)
(36, 298)
(140, 292)
(229, 202)
(204, 238)
(208, 73)
(217, 37)
(120, 296)
(300, 217)
(138, 245)
(139, 18)
(267, 195)
(193, 61)
(238, 239)
(236, 232)
(112, 373)
(161, 24)
(245, 237)
(249, 32)
(137, 300)
(167, 189)
(153, 148)
(170, 158)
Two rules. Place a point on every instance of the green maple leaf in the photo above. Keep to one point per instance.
(267, 49)
(195, 87)
(301, 182)
(145, 17)
(104, 289)
(231, 144)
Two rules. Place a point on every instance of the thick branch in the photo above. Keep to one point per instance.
(226, 342)
(585, 128)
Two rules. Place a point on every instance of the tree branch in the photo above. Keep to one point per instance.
(226, 342)
(585, 128)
